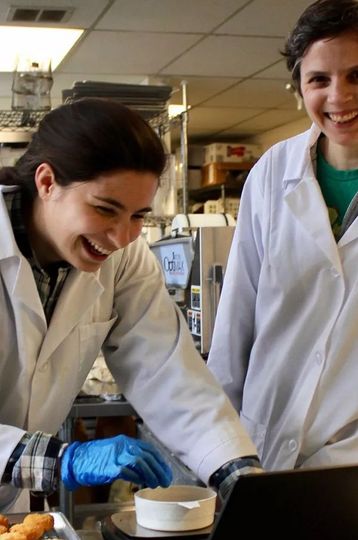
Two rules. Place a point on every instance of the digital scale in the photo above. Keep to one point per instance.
(123, 526)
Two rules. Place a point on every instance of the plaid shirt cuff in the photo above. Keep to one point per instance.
(33, 463)
(225, 477)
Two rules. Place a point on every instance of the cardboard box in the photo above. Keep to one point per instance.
(231, 206)
(221, 173)
(211, 207)
(231, 153)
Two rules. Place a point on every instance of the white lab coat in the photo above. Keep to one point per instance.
(285, 345)
(125, 309)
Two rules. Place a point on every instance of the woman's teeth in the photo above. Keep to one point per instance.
(341, 118)
(98, 248)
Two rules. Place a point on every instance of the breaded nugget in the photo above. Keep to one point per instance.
(45, 521)
(32, 532)
(4, 521)
(3, 529)
(12, 536)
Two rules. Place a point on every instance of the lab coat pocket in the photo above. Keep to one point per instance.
(256, 431)
(92, 336)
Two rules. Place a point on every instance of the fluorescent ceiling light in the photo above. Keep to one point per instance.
(24, 44)
(176, 110)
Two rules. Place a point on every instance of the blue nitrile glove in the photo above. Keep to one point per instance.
(104, 460)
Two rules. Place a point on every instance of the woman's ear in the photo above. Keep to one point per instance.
(45, 180)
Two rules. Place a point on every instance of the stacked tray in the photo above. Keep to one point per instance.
(148, 100)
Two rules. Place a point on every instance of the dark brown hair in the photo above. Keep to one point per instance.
(322, 19)
(84, 139)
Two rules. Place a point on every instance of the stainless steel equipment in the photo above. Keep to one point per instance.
(194, 268)
(212, 246)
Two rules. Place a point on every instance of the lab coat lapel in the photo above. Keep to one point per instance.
(16, 272)
(350, 234)
(21, 286)
(80, 291)
(306, 202)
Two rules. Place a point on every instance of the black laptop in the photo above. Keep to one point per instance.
(310, 504)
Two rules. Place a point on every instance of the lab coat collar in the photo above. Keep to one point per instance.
(299, 163)
(304, 197)
(15, 269)
(8, 246)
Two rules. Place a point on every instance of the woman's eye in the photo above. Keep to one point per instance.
(105, 210)
(138, 216)
(354, 76)
(318, 79)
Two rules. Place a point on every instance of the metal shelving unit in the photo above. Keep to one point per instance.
(18, 126)
(150, 101)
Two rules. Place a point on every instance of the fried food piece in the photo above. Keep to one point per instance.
(44, 521)
(32, 532)
(12, 536)
(3, 529)
(4, 521)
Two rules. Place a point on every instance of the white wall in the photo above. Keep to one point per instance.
(269, 138)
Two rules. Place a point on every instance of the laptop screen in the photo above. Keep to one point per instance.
(310, 504)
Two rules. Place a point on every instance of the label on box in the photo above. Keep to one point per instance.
(231, 152)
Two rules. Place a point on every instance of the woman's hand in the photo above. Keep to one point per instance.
(102, 461)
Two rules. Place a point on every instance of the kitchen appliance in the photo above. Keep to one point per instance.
(307, 504)
(193, 263)
(211, 250)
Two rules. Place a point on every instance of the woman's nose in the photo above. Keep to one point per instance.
(120, 236)
(340, 91)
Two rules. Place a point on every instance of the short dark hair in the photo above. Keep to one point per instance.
(86, 138)
(322, 19)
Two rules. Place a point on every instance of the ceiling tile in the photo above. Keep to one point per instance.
(199, 89)
(267, 120)
(227, 56)
(124, 53)
(265, 18)
(250, 93)
(168, 16)
(291, 104)
(215, 118)
(277, 71)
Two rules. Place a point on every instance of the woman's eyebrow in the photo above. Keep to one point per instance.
(119, 205)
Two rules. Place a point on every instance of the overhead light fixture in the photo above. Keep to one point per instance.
(176, 110)
(35, 44)
(299, 101)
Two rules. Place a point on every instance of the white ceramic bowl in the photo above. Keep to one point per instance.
(176, 508)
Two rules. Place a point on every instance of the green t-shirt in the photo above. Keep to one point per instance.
(338, 189)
